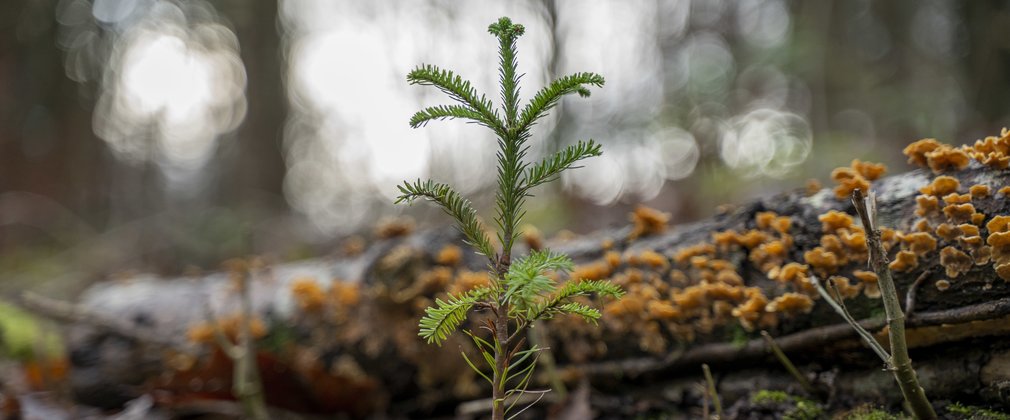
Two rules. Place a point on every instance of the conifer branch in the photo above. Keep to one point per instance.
(443, 319)
(549, 96)
(549, 168)
(458, 89)
(551, 306)
(526, 279)
(453, 204)
(591, 315)
(442, 112)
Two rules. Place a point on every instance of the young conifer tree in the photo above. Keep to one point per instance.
(521, 291)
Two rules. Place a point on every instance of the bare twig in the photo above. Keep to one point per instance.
(538, 338)
(788, 364)
(483, 406)
(901, 363)
(711, 391)
(910, 295)
(246, 386)
(839, 307)
(704, 402)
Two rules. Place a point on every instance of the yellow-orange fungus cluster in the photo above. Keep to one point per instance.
(685, 254)
(203, 333)
(937, 156)
(596, 270)
(834, 220)
(313, 299)
(435, 279)
(606, 244)
(954, 261)
(200, 333)
(392, 228)
(992, 151)
(857, 176)
(646, 221)
(696, 288)
(999, 240)
(869, 279)
(811, 187)
(449, 255)
(904, 261)
(308, 294)
(663, 310)
(823, 261)
(926, 205)
(653, 259)
(842, 243)
(942, 285)
(941, 186)
(979, 191)
(533, 238)
(791, 304)
(845, 286)
(469, 280)
(957, 225)
(919, 243)
(959, 212)
(955, 198)
(345, 294)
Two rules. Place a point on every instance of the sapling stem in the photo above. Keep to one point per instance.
(900, 363)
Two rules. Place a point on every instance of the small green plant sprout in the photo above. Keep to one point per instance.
(521, 291)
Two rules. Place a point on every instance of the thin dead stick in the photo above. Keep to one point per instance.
(910, 295)
(788, 364)
(839, 307)
(483, 406)
(704, 403)
(711, 391)
(538, 337)
(246, 386)
(900, 362)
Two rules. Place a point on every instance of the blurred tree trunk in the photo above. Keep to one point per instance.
(252, 171)
(986, 62)
(47, 146)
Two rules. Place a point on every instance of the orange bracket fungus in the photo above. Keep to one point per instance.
(955, 262)
(647, 221)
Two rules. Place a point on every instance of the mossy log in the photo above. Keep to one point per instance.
(341, 332)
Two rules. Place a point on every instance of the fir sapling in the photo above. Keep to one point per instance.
(522, 290)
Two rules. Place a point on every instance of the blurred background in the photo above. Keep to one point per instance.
(167, 136)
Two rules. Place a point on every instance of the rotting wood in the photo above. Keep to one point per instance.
(395, 264)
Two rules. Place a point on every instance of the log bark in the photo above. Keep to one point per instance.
(957, 337)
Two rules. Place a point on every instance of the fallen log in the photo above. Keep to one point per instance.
(341, 332)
